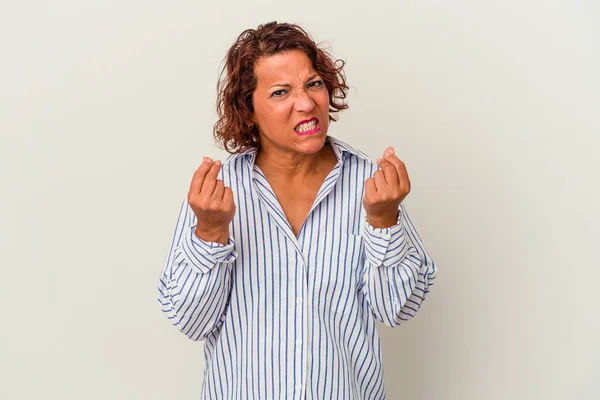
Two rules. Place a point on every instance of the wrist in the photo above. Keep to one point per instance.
(216, 235)
(383, 222)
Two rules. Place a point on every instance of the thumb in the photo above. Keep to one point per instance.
(370, 188)
(228, 197)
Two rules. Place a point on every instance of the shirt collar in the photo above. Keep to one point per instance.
(340, 148)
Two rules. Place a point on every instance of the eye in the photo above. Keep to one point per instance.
(278, 93)
(316, 84)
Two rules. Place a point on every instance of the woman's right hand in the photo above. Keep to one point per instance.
(212, 203)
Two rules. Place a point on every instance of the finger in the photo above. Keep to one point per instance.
(389, 171)
(402, 172)
(370, 188)
(397, 163)
(379, 178)
(228, 197)
(217, 194)
(199, 175)
(210, 180)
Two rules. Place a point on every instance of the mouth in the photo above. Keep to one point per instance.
(308, 127)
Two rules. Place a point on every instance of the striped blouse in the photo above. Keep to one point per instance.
(286, 317)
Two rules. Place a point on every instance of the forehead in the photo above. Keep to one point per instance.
(289, 67)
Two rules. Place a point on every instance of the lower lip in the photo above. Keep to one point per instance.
(313, 131)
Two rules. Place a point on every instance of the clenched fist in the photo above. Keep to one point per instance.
(212, 203)
(386, 190)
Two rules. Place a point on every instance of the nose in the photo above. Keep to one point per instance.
(304, 103)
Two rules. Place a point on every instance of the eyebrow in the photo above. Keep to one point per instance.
(288, 85)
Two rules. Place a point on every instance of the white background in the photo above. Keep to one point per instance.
(107, 107)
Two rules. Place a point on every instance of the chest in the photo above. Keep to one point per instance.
(296, 200)
(329, 203)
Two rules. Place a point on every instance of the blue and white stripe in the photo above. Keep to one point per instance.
(288, 317)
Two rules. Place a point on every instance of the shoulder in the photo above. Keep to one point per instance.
(235, 168)
(341, 147)
(352, 156)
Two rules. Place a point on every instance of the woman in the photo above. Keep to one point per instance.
(285, 255)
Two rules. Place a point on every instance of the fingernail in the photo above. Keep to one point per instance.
(218, 162)
(379, 160)
(389, 152)
(208, 159)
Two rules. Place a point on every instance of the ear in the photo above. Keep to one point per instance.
(250, 120)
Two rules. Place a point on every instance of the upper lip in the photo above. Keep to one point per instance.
(307, 120)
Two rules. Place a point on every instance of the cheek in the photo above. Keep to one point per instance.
(273, 115)
(323, 100)
(280, 114)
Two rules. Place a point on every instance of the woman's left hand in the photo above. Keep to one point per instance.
(386, 190)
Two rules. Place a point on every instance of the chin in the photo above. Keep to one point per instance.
(312, 143)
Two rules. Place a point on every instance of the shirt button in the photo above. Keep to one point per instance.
(298, 342)
(298, 387)
(299, 300)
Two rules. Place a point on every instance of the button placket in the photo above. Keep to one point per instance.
(301, 319)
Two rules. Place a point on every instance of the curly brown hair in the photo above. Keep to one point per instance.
(237, 80)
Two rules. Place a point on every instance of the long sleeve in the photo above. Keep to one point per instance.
(195, 283)
(398, 270)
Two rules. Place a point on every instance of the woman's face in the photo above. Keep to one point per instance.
(291, 104)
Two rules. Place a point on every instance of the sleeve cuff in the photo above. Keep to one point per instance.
(205, 255)
(386, 246)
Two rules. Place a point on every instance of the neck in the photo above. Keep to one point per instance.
(293, 166)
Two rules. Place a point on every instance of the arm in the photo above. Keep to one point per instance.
(398, 270)
(195, 282)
